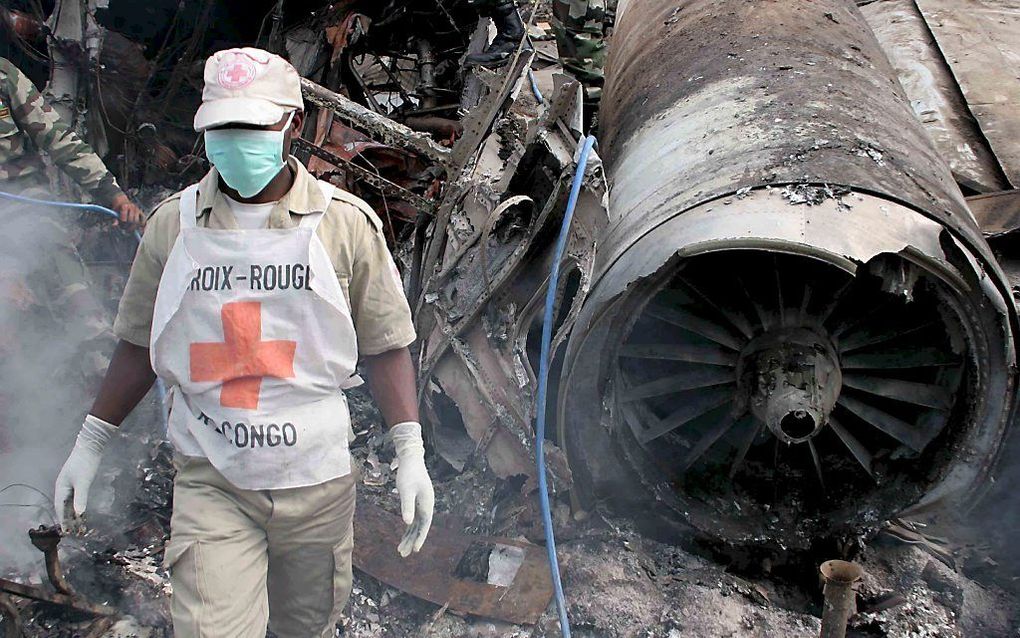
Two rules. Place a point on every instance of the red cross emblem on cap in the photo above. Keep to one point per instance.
(236, 72)
(242, 359)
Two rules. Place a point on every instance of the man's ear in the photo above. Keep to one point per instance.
(292, 132)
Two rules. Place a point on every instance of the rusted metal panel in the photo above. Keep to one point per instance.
(385, 186)
(981, 42)
(455, 569)
(934, 94)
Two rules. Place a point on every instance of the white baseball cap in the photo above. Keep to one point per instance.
(247, 86)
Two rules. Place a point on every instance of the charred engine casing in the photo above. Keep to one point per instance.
(795, 329)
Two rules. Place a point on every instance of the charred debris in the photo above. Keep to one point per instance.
(785, 335)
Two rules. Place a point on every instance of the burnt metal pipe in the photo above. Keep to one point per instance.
(427, 73)
(841, 581)
(46, 540)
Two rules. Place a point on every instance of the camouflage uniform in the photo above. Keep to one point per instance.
(44, 286)
(27, 126)
(580, 28)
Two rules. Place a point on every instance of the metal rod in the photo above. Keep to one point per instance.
(33, 592)
(841, 581)
(386, 129)
(384, 186)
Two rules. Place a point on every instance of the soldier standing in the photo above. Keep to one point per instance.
(509, 31)
(45, 291)
(581, 27)
(44, 284)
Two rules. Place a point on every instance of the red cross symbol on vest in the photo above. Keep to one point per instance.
(242, 359)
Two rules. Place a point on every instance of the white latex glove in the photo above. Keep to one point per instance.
(417, 498)
(81, 466)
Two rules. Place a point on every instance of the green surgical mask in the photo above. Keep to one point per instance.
(246, 159)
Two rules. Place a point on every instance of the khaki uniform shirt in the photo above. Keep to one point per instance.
(349, 230)
(28, 125)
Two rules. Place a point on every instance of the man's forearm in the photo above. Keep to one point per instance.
(392, 381)
(127, 380)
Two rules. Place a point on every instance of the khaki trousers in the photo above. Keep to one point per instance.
(240, 560)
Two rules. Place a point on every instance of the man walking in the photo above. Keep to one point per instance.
(252, 296)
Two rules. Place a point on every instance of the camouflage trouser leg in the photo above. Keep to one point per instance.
(580, 30)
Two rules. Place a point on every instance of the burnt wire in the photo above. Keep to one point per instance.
(46, 506)
(27, 487)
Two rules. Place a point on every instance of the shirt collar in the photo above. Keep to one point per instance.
(304, 197)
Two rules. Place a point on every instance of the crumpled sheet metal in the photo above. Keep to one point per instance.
(980, 40)
(934, 93)
(440, 574)
(489, 292)
(400, 167)
(489, 402)
(998, 214)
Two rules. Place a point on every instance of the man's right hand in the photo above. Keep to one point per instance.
(130, 213)
(417, 496)
(80, 469)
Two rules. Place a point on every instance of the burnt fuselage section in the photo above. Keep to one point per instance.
(795, 328)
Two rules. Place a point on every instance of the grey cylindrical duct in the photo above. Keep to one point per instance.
(768, 175)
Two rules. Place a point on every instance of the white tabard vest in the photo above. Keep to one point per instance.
(253, 334)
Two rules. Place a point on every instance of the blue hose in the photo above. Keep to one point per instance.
(534, 87)
(90, 207)
(543, 381)
(94, 208)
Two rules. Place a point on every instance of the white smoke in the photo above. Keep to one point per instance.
(42, 395)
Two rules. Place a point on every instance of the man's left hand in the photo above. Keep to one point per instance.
(417, 498)
(130, 213)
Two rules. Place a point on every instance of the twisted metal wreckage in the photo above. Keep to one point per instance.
(786, 326)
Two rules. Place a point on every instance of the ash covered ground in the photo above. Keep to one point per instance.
(618, 583)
